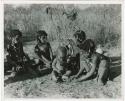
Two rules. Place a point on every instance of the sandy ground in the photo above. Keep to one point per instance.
(28, 86)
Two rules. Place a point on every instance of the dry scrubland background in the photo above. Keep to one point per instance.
(102, 23)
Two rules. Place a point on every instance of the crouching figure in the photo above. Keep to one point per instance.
(61, 68)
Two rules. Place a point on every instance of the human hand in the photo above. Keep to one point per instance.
(64, 78)
(73, 77)
(48, 64)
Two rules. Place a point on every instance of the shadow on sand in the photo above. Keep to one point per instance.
(25, 76)
(115, 70)
(115, 67)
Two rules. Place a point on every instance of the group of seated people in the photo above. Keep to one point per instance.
(76, 58)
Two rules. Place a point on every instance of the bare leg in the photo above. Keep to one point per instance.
(87, 66)
(83, 67)
(66, 75)
(36, 61)
(38, 65)
(103, 72)
(54, 76)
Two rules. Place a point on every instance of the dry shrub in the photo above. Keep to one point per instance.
(102, 23)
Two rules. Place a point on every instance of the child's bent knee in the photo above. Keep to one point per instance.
(68, 73)
(36, 61)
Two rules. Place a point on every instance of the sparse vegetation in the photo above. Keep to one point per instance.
(102, 23)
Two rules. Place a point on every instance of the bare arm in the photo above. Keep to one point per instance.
(51, 53)
(54, 64)
(36, 50)
(47, 61)
(91, 72)
(23, 53)
(81, 70)
(39, 56)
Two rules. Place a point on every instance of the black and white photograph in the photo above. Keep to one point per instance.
(62, 51)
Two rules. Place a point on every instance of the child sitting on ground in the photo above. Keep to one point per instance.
(43, 51)
(61, 69)
(17, 60)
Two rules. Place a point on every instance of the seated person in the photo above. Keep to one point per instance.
(61, 69)
(17, 60)
(91, 62)
(43, 52)
(86, 45)
(73, 56)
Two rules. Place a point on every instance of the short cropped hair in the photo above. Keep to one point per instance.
(41, 33)
(81, 34)
(15, 32)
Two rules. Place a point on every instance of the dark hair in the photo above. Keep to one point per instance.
(80, 34)
(15, 32)
(41, 33)
(88, 46)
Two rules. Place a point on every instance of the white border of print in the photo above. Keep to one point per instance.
(1, 52)
(66, 0)
(60, 2)
(57, 2)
